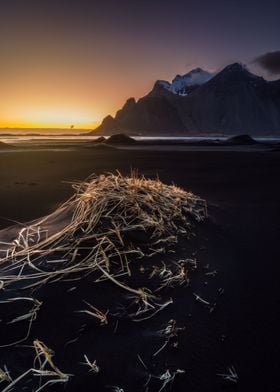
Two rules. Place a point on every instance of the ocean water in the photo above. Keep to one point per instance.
(19, 135)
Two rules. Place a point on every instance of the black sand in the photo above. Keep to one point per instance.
(240, 240)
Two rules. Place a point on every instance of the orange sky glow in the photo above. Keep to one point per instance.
(63, 64)
(35, 95)
(74, 62)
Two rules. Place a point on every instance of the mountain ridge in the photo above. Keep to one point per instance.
(232, 101)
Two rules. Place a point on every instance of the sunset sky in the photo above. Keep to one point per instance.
(69, 62)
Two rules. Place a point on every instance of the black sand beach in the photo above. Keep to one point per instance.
(239, 240)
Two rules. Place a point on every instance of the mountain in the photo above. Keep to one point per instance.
(184, 84)
(232, 101)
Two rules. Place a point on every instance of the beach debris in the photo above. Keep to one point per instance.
(10, 386)
(161, 348)
(145, 313)
(43, 367)
(30, 316)
(213, 273)
(71, 289)
(193, 263)
(221, 291)
(231, 376)
(163, 272)
(212, 307)
(142, 269)
(71, 341)
(116, 326)
(200, 299)
(96, 313)
(5, 375)
(141, 361)
(44, 357)
(154, 252)
(168, 377)
(178, 277)
(170, 332)
(93, 367)
(175, 274)
(115, 388)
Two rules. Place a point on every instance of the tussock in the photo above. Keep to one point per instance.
(112, 220)
(103, 231)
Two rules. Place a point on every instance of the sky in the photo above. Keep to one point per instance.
(72, 62)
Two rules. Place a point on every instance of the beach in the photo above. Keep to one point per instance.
(239, 240)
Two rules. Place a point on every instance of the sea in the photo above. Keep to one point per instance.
(25, 135)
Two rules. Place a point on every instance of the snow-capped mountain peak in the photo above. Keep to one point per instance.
(183, 84)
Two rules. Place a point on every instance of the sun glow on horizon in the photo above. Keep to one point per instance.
(49, 117)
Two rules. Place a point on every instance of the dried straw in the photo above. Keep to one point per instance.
(111, 220)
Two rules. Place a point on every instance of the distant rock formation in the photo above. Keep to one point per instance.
(231, 102)
(241, 140)
(120, 138)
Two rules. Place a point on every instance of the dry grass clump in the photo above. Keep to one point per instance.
(110, 221)
(109, 224)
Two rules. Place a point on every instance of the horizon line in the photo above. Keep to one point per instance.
(46, 128)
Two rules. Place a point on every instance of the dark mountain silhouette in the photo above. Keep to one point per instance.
(233, 101)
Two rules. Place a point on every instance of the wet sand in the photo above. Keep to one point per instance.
(240, 240)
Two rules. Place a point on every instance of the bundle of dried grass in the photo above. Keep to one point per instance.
(109, 223)
(111, 220)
